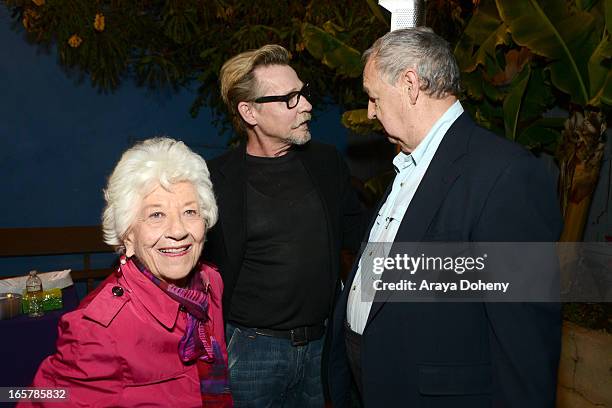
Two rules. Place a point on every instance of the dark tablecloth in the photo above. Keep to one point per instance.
(25, 342)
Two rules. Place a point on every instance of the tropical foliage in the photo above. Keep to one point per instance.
(539, 73)
(174, 43)
(519, 60)
(522, 58)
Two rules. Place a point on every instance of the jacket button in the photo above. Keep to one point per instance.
(117, 291)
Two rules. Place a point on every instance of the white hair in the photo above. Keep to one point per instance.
(158, 161)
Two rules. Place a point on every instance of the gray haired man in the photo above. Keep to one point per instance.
(455, 182)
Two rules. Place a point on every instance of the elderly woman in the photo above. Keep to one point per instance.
(152, 333)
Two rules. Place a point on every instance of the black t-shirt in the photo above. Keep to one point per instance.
(285, 279)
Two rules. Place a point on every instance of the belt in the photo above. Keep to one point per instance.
(300, 336)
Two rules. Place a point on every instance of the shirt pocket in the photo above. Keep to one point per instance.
(455, 379)
(389, 220)
(183, 390)
(171, 372)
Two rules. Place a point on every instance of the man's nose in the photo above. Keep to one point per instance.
(304, 105)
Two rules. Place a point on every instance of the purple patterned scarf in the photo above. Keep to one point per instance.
(198, 342)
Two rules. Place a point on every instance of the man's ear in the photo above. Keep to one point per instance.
(246, 111)
(410, 84)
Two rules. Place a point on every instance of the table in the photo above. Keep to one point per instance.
(25, 342)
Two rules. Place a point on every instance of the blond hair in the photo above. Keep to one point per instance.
(237, 78)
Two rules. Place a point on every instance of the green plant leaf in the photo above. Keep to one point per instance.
(586, 5)
(513, 102)
(182, 26)
(332, 52)
(463, 53)
(538, 97)
(205, 54)
(608, 14)
(537, 136)
(332, 28)
(598, 72)
(376, 11)
(491, 91)
(490, 116)
(492, 66)
(485, 31)
(548, 29)
(472, 83)
(358, 122)
(604, 96)
(598, 12)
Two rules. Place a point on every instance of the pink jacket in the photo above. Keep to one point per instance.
(120, 347)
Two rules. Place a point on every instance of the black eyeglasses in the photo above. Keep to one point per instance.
(291, 99)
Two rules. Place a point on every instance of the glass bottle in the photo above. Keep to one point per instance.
(34, 295)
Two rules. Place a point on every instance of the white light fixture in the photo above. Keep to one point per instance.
(405, 13)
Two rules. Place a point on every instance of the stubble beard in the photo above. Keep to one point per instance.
(299, 139)
(298, 135)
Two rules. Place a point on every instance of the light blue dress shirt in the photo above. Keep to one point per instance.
(410, 169)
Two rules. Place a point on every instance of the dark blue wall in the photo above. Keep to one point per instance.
(59, 139)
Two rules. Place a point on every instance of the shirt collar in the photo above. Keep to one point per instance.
(159, 304)
(402, 161)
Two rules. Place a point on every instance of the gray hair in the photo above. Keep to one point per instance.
(158, 161)
(421, 49)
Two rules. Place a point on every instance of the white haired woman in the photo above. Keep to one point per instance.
(152, 333)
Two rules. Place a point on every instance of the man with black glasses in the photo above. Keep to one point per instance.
(286, 208)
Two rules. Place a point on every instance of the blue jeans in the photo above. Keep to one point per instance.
(269, 372)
